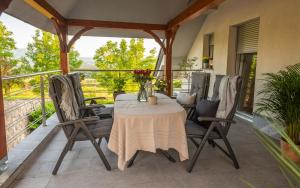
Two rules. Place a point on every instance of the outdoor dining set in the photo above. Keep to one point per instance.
(131, 126)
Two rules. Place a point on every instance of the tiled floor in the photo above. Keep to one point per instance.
(83, 168)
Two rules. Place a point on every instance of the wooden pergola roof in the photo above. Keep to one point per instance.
(113, 18)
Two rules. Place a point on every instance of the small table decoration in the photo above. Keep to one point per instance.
(141, 77)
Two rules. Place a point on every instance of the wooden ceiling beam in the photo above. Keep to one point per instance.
(193, 11)
(46, 9)
(116, 25)
(4, 4)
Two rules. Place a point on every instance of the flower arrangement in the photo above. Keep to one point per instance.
(142, 76)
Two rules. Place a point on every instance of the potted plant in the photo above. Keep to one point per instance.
(160, 86)
(280, 100)
(205, 62)
(118, 86)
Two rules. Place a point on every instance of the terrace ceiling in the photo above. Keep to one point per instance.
(156, 12)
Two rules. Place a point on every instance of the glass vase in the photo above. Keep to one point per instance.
(142, 94)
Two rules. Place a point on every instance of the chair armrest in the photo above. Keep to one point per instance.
(94, 98)
(215, 119)
(83, 120)
(91, 106)
(188, 105)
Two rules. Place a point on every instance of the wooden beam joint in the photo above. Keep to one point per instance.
(4, 4)
(193, 11)
(157, 39)
(77, 36)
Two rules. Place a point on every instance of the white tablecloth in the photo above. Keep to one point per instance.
(141, 126)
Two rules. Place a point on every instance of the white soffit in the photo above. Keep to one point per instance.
(137, 11)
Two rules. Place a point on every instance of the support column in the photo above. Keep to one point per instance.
(64, 62)
(170, 37)
(3, 146)
(168, 65)
(4, 4)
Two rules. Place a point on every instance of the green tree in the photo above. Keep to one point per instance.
(122, 56)
(9, 65)
(44, 53)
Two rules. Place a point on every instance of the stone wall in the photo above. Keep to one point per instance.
(16, 119)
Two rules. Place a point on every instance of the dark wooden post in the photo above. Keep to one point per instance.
(62, 34)
(168, 65)
(64, 63)
(170, 37)
(3, 147)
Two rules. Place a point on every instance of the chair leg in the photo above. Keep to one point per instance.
(199, 149)
(167, 155)
(65, 150)
(98, 149)
(130, 163)
(229, 148)
(99, 141)
(212, 143)
(61, 157)
(71, 145)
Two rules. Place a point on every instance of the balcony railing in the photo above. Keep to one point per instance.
(99, 83)
(26, 104)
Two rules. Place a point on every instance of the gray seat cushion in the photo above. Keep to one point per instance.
(193, 128)
(104, 112)
(205, 108)
(99, 129)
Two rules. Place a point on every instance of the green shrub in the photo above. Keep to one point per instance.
(177, 83)
(35, 117)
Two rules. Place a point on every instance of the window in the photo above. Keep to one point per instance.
(247, 43)
(208, 48)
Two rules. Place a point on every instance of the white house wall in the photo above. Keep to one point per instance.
(279, 36)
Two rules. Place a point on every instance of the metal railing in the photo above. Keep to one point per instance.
(99, 83)
(26, 104)
(26, 94)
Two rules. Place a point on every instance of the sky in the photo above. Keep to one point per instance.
(86, 46)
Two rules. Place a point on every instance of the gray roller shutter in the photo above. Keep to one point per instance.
(248, 37)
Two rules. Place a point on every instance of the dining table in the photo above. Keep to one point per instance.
(140, 126)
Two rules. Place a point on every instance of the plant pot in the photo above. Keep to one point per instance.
(288, 151)
(205, 65)
(116, 93)
(152, 100)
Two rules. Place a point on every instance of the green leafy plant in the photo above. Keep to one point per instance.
(119, 84)
(205, 60)
(280, 99)
(35, 117)
(160, 84)
(177, 83)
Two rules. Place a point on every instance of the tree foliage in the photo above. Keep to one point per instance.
(122, 56)
(44, 53)
(9, 65)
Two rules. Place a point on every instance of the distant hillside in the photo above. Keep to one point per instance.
(88, 63)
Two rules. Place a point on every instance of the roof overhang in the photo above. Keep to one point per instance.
(113, 18)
